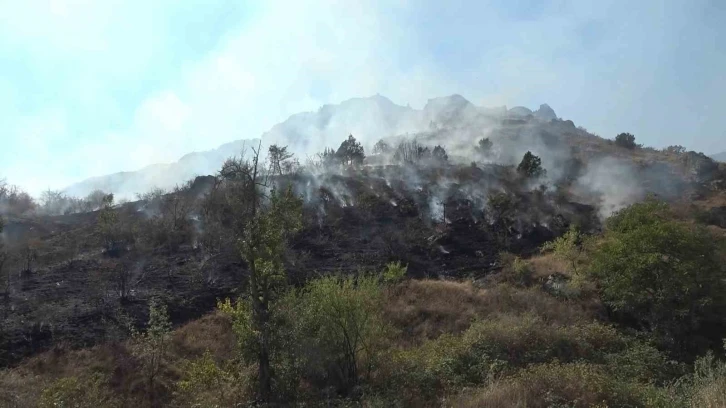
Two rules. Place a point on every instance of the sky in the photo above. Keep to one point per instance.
(91, 87)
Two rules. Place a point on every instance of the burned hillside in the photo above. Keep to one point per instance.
(445, 208)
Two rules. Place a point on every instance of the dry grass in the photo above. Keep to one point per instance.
(23, 385)
(426, 309)
(547, 385)
(545, 265)
(212, 332)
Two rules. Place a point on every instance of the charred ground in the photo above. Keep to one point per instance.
(447, 218)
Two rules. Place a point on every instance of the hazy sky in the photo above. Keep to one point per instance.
(90, 87)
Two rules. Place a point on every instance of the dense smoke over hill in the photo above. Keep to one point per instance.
(368, 119)
(591, 169)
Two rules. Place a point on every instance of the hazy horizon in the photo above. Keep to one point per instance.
(90, 88)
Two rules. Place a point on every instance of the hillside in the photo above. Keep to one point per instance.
(719, 157)
(427, 254)
(308, 133)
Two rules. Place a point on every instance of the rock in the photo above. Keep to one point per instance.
(545, 112)
(519, 111)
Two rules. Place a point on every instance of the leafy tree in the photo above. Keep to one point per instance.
(531, 166)
(151, 347)
(278, 157)
(439, 154)
(264, 223)
(350, 152)
(262, 247)
(381, 147)
(625, 140)
(342, 328)
(663, 274)
(484, 146)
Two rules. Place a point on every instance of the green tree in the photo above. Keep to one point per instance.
(350, 152)
(666, 275)
(343, 329)
(625, 140)
(263, 225)
(262, 247)
(151, 347)
(531, 166)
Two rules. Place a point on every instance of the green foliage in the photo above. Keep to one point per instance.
(341, 329)
(394, 272)
(77, 392)
(568, 248)
(265, 239)
(240, 313)
(151, 348)
(506, 344)
(206, 384)
(350, 152)
(666, 275)
(531, 166)
(706, 386)
(625, 140)
(522, 271)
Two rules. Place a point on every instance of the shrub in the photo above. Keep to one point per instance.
(563, 385)
(666, 276)
(502, 346)
(531, 166)
(625, 140)
(394, 272)
(342, 330)
(206, 384)
(77, 392)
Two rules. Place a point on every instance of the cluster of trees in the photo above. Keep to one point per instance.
(15, 201)
(412, 152)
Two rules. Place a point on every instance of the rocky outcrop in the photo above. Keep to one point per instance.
(545, 112)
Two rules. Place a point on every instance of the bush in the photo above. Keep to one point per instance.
(75, 392)
(506, 344)
(665, 276)
(206, 384)
(394, 272)
(625, 140)
(531, 166)
(563, 385)
(341, 330)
